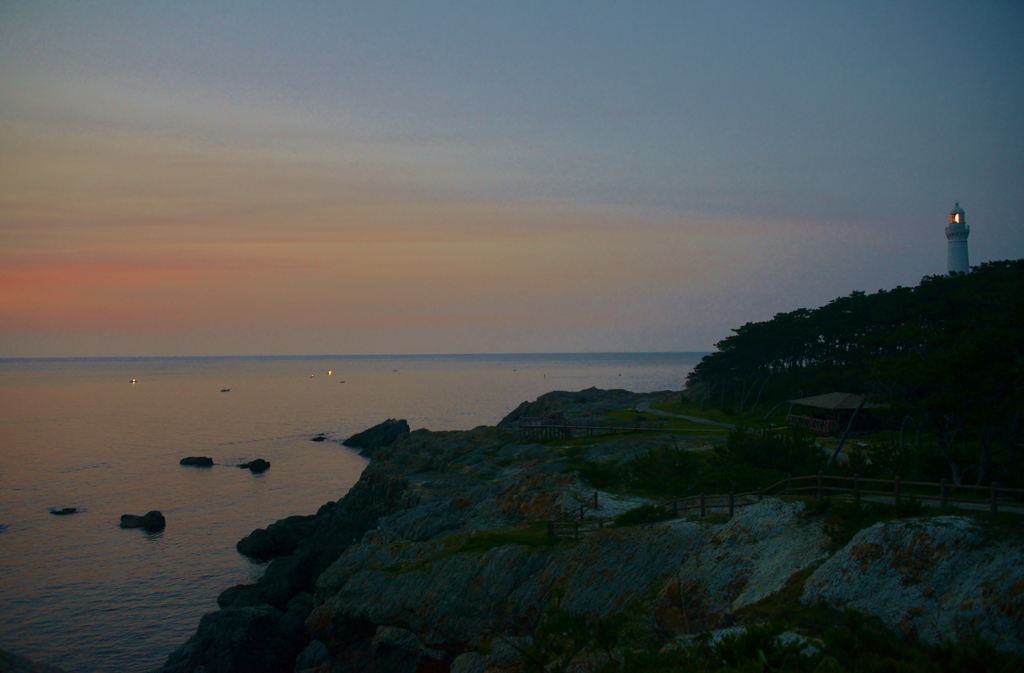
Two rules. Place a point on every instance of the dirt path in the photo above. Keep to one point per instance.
(645, 407)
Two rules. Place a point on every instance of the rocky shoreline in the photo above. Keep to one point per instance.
(432, 562)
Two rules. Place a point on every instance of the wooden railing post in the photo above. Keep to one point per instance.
(856, 488)
(820, 479)
(759, 495)
(703, 510)
(942, 496)
(551, 528)
(675, 508)
(732, 502)
(789, 483)
(995, 498)
(896, 493)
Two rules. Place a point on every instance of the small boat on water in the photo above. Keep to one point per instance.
(61, 511)
(225, 390)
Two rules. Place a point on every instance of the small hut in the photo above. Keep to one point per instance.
(829, 414)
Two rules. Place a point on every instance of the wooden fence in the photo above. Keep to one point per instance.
(820, 484)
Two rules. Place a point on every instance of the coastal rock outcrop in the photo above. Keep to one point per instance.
(938, 579)
(258, 639)
(451, 602)
(442, 544)
(151, 522)
(197, 461)
(584, 402)
(278, 539)
(382, 434)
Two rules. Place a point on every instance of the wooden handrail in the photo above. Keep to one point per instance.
(733, 500)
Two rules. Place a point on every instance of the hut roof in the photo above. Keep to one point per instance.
(835, 401)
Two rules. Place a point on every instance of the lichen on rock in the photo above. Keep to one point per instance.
(939, 579)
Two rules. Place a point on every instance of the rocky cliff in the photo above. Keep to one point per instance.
(438, 559)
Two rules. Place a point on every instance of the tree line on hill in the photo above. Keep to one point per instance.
(946, 356)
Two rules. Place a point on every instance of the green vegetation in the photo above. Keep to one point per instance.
(784, 451)
(847, 642)
(644, 417)
(844, 518)
(947, 357)
(641, 515)
(533, 535)
(709, 412)
(745, 462)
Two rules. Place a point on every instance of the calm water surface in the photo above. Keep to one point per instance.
(81, 593)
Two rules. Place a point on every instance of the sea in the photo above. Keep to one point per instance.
(105, 436)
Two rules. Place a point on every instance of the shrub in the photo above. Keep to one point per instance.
(665, 470)
(641, 515)
(785, 451)
(601, 475)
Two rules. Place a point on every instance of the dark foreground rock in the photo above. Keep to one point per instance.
(259, 639)
(256, 466)
(382, 434)
(197, 461)
(152, 522)
(12, 663)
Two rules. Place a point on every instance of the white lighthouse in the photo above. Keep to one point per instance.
(957, 233)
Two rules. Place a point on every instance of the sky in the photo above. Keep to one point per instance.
(270, 178)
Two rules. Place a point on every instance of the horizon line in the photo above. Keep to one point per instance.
(336, 355)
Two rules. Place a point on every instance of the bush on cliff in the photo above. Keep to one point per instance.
(786, 451)
(641, 515)
(669, 471)
(858, 644)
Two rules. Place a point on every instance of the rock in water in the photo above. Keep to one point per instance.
(152, 522)
(383, 434)
(256, 466)
(197, 461)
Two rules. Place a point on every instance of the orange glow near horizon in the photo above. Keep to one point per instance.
(111, 233)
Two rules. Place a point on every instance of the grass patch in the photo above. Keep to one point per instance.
(715, 518)
(717, 415)
(533, 536)
(785, 606)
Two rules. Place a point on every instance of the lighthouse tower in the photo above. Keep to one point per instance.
(957, 233)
